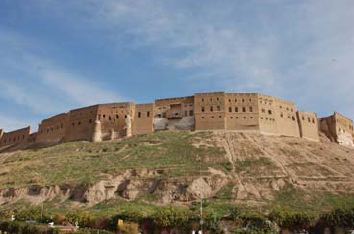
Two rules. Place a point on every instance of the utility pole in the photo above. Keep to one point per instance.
(201, 197)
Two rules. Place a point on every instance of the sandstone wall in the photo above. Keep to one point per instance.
(113, 119)
(15, 137)
(308, 125)
(286, 118)
(268, 121)
(81, 123)
(209, 109)
(143, 121)
(53, 129)
(241, 111)
(172, 108)
(338, 128)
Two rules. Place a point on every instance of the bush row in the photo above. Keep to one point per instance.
(24, 228)
(186, 219)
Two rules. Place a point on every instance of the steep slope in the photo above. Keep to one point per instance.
(180, 167)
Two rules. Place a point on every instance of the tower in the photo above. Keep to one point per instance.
(96, 135)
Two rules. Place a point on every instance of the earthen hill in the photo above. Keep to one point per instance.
(249, 112)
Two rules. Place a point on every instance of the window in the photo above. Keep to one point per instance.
(243, 100)
(164, 115)
(148, 114)
(79, 123)
(218, 108)
(109, 118)
(191, 113)
(243, 109)
(211, 109)
(230, 109)
(251, 109)
(236, 109)
(211, 99)
(99, 116)
(219, 116)
(104, 116)
(229, 100)
(139, 114)
(281, 115)
(309, 119)
(217, 99)
(159, 115)
(90, 121)
(185, 113)
(303, 118)
(73, 124)
(117, 116)
(263, 110)
(313, 120)
(293, 118)
(202, 99)
(203, 109)
(269, 112)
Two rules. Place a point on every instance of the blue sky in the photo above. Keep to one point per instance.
(56, 55)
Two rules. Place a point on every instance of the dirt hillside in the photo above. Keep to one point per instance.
(179, 168)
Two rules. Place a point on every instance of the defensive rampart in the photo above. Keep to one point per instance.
(201, 112)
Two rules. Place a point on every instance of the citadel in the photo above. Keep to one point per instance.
(243, 112)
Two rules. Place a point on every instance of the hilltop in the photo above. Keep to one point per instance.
(176, 167)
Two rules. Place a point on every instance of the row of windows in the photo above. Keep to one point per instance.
(250, 109)
(265, 102)
(14, 139)
(230, 100)
(291, 109)
(242, 100)
(271, 119)
(164, 115)
(264, 111)
(211, 99)
(218, 108)
(237, 117)
(308, 119)
(147, 114)
(110, 117)
(52, 128)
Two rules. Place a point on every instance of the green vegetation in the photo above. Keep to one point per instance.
(87, 163)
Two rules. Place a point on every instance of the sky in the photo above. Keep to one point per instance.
(57, 55)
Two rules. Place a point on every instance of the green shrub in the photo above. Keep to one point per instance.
(339, 217)
(32, 213)
(172, 217)
(84, 219)
(291, 220)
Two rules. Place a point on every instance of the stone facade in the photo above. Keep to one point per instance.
(202, 111)
(338, 128)
(19, 136)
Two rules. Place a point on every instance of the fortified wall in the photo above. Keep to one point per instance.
(338, 128)
(246, 112)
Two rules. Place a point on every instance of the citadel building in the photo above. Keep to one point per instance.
(250, 112)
